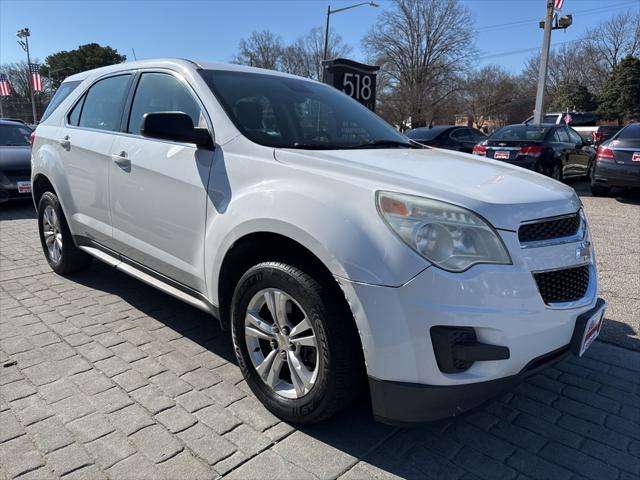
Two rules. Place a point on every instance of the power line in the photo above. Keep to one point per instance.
(525, 50)
(536, 20)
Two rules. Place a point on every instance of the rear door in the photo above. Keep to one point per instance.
(159, 188)
(581, 153)
(463, 139)
(85, 142)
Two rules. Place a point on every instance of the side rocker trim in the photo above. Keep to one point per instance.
(146, 275)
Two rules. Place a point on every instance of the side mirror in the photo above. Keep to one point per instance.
(175, 126)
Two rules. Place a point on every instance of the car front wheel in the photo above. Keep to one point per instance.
(295, 343)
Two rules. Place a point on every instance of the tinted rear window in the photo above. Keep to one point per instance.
(63, 92)
(520, 132)
(14, 135)
(631, 131)
(424, 133)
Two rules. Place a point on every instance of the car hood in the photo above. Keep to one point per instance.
(15, 158)
(503, 194)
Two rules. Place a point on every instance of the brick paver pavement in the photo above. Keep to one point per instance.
(104, 377)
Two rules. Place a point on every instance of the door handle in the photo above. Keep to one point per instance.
(122, 161)
(65, 143)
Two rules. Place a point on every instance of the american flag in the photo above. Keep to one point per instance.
(5, 91)
(36, 80)
(558, 4)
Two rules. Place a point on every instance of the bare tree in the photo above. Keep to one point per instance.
(262, 49)
(615, 39)
(488, 94)
(303, 57)
(424, 46)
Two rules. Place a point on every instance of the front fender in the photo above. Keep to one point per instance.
(348, 236)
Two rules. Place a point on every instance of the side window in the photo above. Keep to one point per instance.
(573, 135)
(561, 136)
(103, 103)
(462, 135)
(60, 96)
(161, 92)
(74, 114)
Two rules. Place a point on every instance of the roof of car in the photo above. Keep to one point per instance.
(181, 62)
(545, 125)
(5, 121)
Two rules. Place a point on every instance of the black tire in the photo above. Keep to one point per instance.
(555, 171)
(340, 364)
(600, 190)
(72, 259)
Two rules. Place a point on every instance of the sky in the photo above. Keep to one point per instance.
(507, 30)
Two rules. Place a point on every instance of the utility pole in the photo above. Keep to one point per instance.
(25, 33)
(538, 113)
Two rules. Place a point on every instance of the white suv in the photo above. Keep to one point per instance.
(333, 248)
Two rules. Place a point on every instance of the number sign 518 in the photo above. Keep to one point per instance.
(357, 86)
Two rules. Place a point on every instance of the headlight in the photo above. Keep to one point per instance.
(451, 237)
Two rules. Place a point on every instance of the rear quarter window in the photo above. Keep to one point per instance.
(61, 94)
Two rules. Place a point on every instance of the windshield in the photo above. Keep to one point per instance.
(14, 135)
(520, 133)
(278, 111)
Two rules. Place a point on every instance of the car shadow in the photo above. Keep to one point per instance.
(629, 196)
(445, 449)
(184, 319)
(17, 210)
(620, 333)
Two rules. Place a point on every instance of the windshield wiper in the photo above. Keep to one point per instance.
(370, 144)
(315, 146)
(383, 143)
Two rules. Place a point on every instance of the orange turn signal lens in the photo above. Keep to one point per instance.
(393, 206)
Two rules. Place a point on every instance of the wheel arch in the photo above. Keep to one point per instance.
(259, 246)
(41, 184)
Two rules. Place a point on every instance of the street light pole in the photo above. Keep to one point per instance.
(538, 113)
(25, 33)
(329, 13)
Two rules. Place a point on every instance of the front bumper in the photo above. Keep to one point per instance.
(501, 303)
(400, 403)
(612, 174)
(9, 188)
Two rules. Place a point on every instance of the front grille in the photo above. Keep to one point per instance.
(549, 229)
(561, 286)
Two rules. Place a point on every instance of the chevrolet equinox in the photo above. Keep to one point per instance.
(338, 253)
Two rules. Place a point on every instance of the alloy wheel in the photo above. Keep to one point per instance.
(52, 233)
(282, 343)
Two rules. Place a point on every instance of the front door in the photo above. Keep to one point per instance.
(158, 189)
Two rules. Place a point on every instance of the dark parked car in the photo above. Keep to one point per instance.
(617, 162)
(15, 160)
(461, 139)
(554, 150)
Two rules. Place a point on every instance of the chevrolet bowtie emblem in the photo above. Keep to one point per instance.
(583, 252)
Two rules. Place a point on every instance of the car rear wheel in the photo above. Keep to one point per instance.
(555, 172)
(57, 243)
(296, 346)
